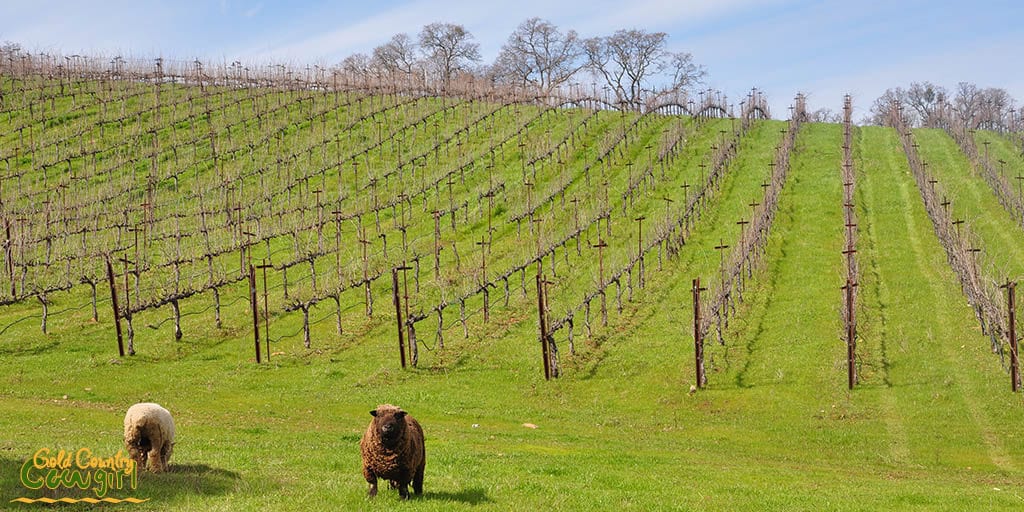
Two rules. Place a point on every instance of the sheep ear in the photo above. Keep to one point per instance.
(373, 413)
(400, 414)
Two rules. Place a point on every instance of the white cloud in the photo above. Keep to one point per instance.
(364, 34)
(253, 11)
(606, 16)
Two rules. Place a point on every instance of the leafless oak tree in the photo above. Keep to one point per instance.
(930, 105)
(825, 115)
(967, 102)
(997, 107)
(397, 56)
(628, 59)
(926, 99)
(448, 48)
(879, 112)
(358, 65)
(539, 55)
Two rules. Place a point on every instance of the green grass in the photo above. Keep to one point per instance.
(973, 200)
(932, 424)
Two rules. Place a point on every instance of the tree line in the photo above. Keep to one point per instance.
(929, 105)
(634, 67)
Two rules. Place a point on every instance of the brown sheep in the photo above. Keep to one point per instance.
(393, 450)
(149, 435)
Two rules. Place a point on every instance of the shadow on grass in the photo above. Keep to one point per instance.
(28, 348)
(187, 479)
(180, 480)
(470, 496)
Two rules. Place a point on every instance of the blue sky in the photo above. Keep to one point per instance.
(822, 48)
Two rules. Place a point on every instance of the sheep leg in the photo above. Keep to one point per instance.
(155, 447)
(165, 453)
(155, 458)
(403, 490)
(372, 480)
(417, 480)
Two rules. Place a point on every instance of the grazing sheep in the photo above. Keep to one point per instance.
(393, 450)
(149, 435)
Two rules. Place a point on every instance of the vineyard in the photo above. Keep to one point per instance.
(696, 294)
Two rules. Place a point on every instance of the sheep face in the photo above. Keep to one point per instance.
(390, 424)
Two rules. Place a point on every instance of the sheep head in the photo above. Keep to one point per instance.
(389, 422)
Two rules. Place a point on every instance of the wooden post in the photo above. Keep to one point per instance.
(549, 341)
(113, 303)
(490, 204)
(483, 281)
(9, 256)
(851, 335)
(542, 322)
(266, 307)
(128, 310)
(255, 311)
(600, 245)
(437, 244)
(413, 351)
(366, 279)
(177, 320)
(1014, 361)
(398, 314)
(640, 248)
(1011, 305)
(698, 340)
(135, 231)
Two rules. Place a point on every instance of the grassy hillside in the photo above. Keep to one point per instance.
(931, 424)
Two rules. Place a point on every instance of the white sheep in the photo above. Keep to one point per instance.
(149, 435)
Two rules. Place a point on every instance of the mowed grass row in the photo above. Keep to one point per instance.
(1000, 237)
(1005, 147)
(927, 372)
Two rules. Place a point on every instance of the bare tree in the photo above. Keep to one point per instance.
(990, 108)
(397, 56)
(996, 108)
(683, 73)
(967, 104)
(448, 48)
(926, 99)
(879, 113)
(358, 66)
(628, 59)
(825, 115)
(930, 105)
(539, 55)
